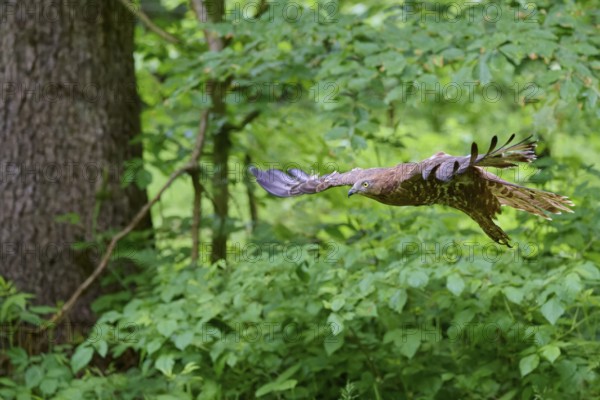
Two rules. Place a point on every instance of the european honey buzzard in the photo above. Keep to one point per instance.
(459, 182)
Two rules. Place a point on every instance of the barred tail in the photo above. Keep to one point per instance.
(533, 201)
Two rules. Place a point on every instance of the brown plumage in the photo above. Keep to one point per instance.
(459, 182)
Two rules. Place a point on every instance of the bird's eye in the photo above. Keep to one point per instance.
(365, 184)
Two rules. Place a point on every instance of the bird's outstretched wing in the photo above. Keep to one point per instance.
(444, 167)
(297, 182)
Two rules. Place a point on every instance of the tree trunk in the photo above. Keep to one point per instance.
(68, 112)
(220, 194)
(213, 11)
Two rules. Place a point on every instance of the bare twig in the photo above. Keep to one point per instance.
(190, 166)
(247, 119)
(148, 22)
(194, 172)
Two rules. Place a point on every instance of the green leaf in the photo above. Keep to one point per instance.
(509, 395)
(276, 387)
(417, 279)
(101, 347)
(366, 284)
(7, 382)
(365, 48)
(528, 364)
(166, 327)
(210, 390)
(49, 386)
(42, 309)
(281, 383)
(550, 352)
(366, 308)
(513, 294)
(337, 323)
(284, 46)
(568, 90)
(81, 358)
(398, 300)
(552, 310)
(332, 344)
(183, 340)
(588, 270)
(33, 376)
(17, 300)
(585, 48)
(513, 52)
(338, 132)
(289, 372)
(485, 76)
(18, 356)
(397, 93)
(189, 368)
(167, 397)
(410, 344)
(396, 65)
(394, 335)
(153, 346)
(143, 178)
(165, 364)
(455, 284)
(358, 142)
(337, 303)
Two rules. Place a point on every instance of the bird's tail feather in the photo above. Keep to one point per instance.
(533, 201)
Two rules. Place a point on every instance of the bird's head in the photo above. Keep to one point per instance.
(366, 187)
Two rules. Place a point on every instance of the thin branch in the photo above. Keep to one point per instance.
(194, 173)
(148, 22)
(247, 119)
(190, 166)
(199, 145)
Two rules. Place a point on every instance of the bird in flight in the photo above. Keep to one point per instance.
(459, 182)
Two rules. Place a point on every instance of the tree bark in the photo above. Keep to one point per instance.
(68, 112)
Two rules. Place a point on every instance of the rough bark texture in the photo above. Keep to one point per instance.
(68, 111)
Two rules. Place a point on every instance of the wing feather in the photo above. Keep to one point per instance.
(297, 182)
(447, 166)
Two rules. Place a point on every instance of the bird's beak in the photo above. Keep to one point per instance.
(351, 192)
